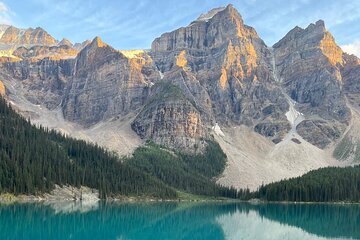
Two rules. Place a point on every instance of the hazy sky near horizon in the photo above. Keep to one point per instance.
(127, 24)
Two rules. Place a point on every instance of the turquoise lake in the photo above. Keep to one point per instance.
(120, 221)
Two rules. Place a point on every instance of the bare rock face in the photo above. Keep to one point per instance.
(2, 89)
(319, 132)
(44, 81)
(170, 119)
(105, 84)
(308, 64)
(226, 70)
(350, 73)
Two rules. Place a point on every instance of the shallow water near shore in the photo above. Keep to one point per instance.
(99, 220)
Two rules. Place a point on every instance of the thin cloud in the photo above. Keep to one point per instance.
(5, 14)
(352, 48)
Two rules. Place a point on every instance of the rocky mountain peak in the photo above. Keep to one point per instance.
(315, 36)
(10, 35)
(318, 26)
(80, 46)
(98, 43)
(65, 42)
(15, 37)
(220, 12)
(96, 54)
(95, 49)
(207, 16)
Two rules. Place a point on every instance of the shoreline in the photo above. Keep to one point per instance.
(7, 198)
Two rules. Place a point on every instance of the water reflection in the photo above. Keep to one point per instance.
(250, 223)
(178, 221)
(328, 220)
(73, 206)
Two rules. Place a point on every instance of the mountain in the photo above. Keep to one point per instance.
(35, 44)
(14, 36)
(277, 112)
(65, 42)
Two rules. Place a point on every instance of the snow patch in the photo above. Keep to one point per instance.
(209, 15)
(161, 75)
(292, 115)
(218, 130)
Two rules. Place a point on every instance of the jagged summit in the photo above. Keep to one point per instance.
(65, 42)
(314, 36)
(15, 37)
(311, 30)
(97, 42)
(215, 28)
(80, 46)
(219, 12)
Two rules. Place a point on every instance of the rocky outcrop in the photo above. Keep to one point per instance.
(319, 132)
(44, 81)
(308, 63)
(170, 119)
(2, 89)
(350, 73)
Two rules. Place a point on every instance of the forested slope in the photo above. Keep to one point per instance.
(33, 160)
(331, 184)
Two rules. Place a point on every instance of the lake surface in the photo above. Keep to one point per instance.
(179, 221)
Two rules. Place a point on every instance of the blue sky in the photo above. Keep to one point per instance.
(133, 24)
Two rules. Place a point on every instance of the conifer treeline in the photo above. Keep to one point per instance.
(332, 184)
(33, 159)
(188, 173)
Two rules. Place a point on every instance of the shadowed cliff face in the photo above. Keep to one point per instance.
(219, 70)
